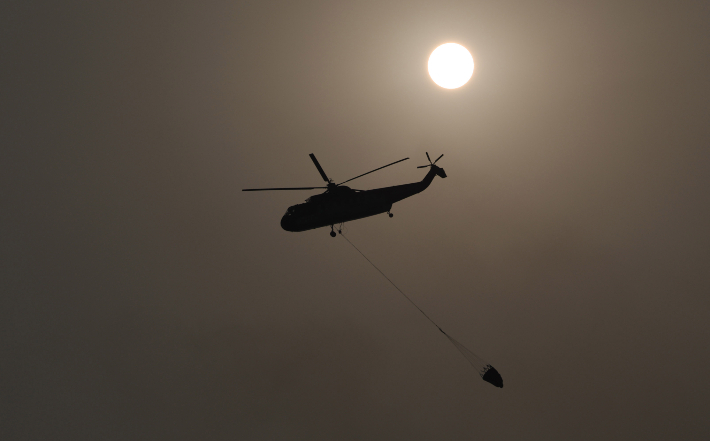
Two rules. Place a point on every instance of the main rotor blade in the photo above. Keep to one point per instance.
(373, 171)
(427, 156)
(288, 188)
(437, 159)
(320, 169)
(424, 166)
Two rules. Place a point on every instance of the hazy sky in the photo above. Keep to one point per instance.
(144, 296)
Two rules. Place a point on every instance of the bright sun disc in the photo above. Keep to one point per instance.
(450, 65)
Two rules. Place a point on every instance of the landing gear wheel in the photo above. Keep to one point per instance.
(332, 234)
(390, 214)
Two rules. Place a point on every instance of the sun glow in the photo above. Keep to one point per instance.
(450, 65)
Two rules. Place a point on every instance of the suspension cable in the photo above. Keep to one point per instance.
(487, 372)
(393, 284)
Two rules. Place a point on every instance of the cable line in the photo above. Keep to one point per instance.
(487, 372)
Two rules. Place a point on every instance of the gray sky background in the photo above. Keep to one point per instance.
(144, 296)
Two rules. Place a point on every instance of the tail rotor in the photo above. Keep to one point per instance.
(430, 163)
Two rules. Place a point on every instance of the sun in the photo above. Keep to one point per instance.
(450, 65)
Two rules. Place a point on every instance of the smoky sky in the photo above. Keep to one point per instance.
(144, 296)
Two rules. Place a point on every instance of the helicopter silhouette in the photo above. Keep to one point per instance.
(340, 204)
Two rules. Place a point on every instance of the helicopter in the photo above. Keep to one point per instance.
(340, 204)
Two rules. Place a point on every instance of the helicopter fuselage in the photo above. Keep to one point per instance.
(343, 204)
